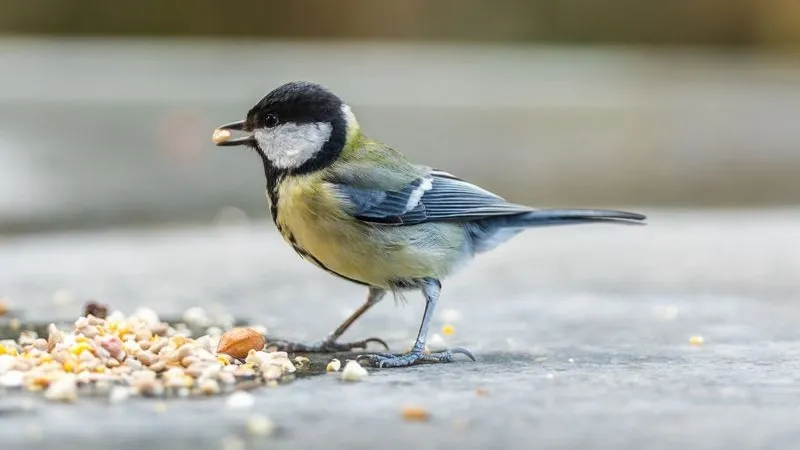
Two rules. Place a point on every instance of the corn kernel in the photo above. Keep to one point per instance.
(69, 366)
(178, 340)
(79, 348)
(222, 360)
(124, 328)
(448, 330)
(100, 369)
(3, 350)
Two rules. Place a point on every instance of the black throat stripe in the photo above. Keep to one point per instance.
(273, 191)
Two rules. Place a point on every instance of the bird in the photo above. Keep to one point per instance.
(362, 211)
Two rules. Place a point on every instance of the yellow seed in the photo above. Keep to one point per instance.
(46, 359)
(79, 348)
(448, 329)
(179, 340)
(69, 366)
(81, 339)
(415, 414)
(223, 360)
(696, 340)
(333, 366)
(123, 328)
(3, 350)
(100, 369)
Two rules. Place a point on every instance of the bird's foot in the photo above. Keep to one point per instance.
(413, 357)
(324, 346)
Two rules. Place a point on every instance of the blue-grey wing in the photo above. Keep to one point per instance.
(437, 196)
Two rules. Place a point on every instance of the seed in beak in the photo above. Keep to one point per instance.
(221, 136)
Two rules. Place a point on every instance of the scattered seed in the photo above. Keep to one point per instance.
(696, 341)
(209, 387)
(258, 425)
(353, 371)
(12, 379)
(64, 389)
(436, 343)
(95, 309)
(238, 342)
(118, 394)
(302, 362)
(415, 414)
(123, 355)
(240, 400)
(333, 366)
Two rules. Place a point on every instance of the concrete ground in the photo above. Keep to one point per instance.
(581, 334)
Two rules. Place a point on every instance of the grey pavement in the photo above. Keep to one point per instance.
(581, 334)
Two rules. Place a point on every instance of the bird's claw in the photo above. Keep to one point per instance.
(381, 360)
(325, 346)
(376, 340)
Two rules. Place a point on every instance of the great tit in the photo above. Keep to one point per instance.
(360, 210)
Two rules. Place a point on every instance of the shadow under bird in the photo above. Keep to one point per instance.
(360, 210)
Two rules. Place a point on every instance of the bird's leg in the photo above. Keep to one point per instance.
(329, 344)
(430, 289)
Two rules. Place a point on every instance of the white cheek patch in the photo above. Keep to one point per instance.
(290, 145)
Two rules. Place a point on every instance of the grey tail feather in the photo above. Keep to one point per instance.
(553, 217)
(490, 232)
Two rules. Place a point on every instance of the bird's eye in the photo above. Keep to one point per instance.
(271, 120)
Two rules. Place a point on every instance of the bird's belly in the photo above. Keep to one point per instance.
(382, 256)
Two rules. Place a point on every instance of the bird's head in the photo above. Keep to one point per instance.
(298, 127)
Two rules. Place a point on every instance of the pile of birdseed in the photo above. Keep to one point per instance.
(121, 356)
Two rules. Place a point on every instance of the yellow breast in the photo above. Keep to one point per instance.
(311, 218)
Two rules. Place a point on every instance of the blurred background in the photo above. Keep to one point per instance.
(106, 109)
(686, 110)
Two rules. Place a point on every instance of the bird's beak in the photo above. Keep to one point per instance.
(222, 135)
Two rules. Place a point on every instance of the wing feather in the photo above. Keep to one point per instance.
(436, 196)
